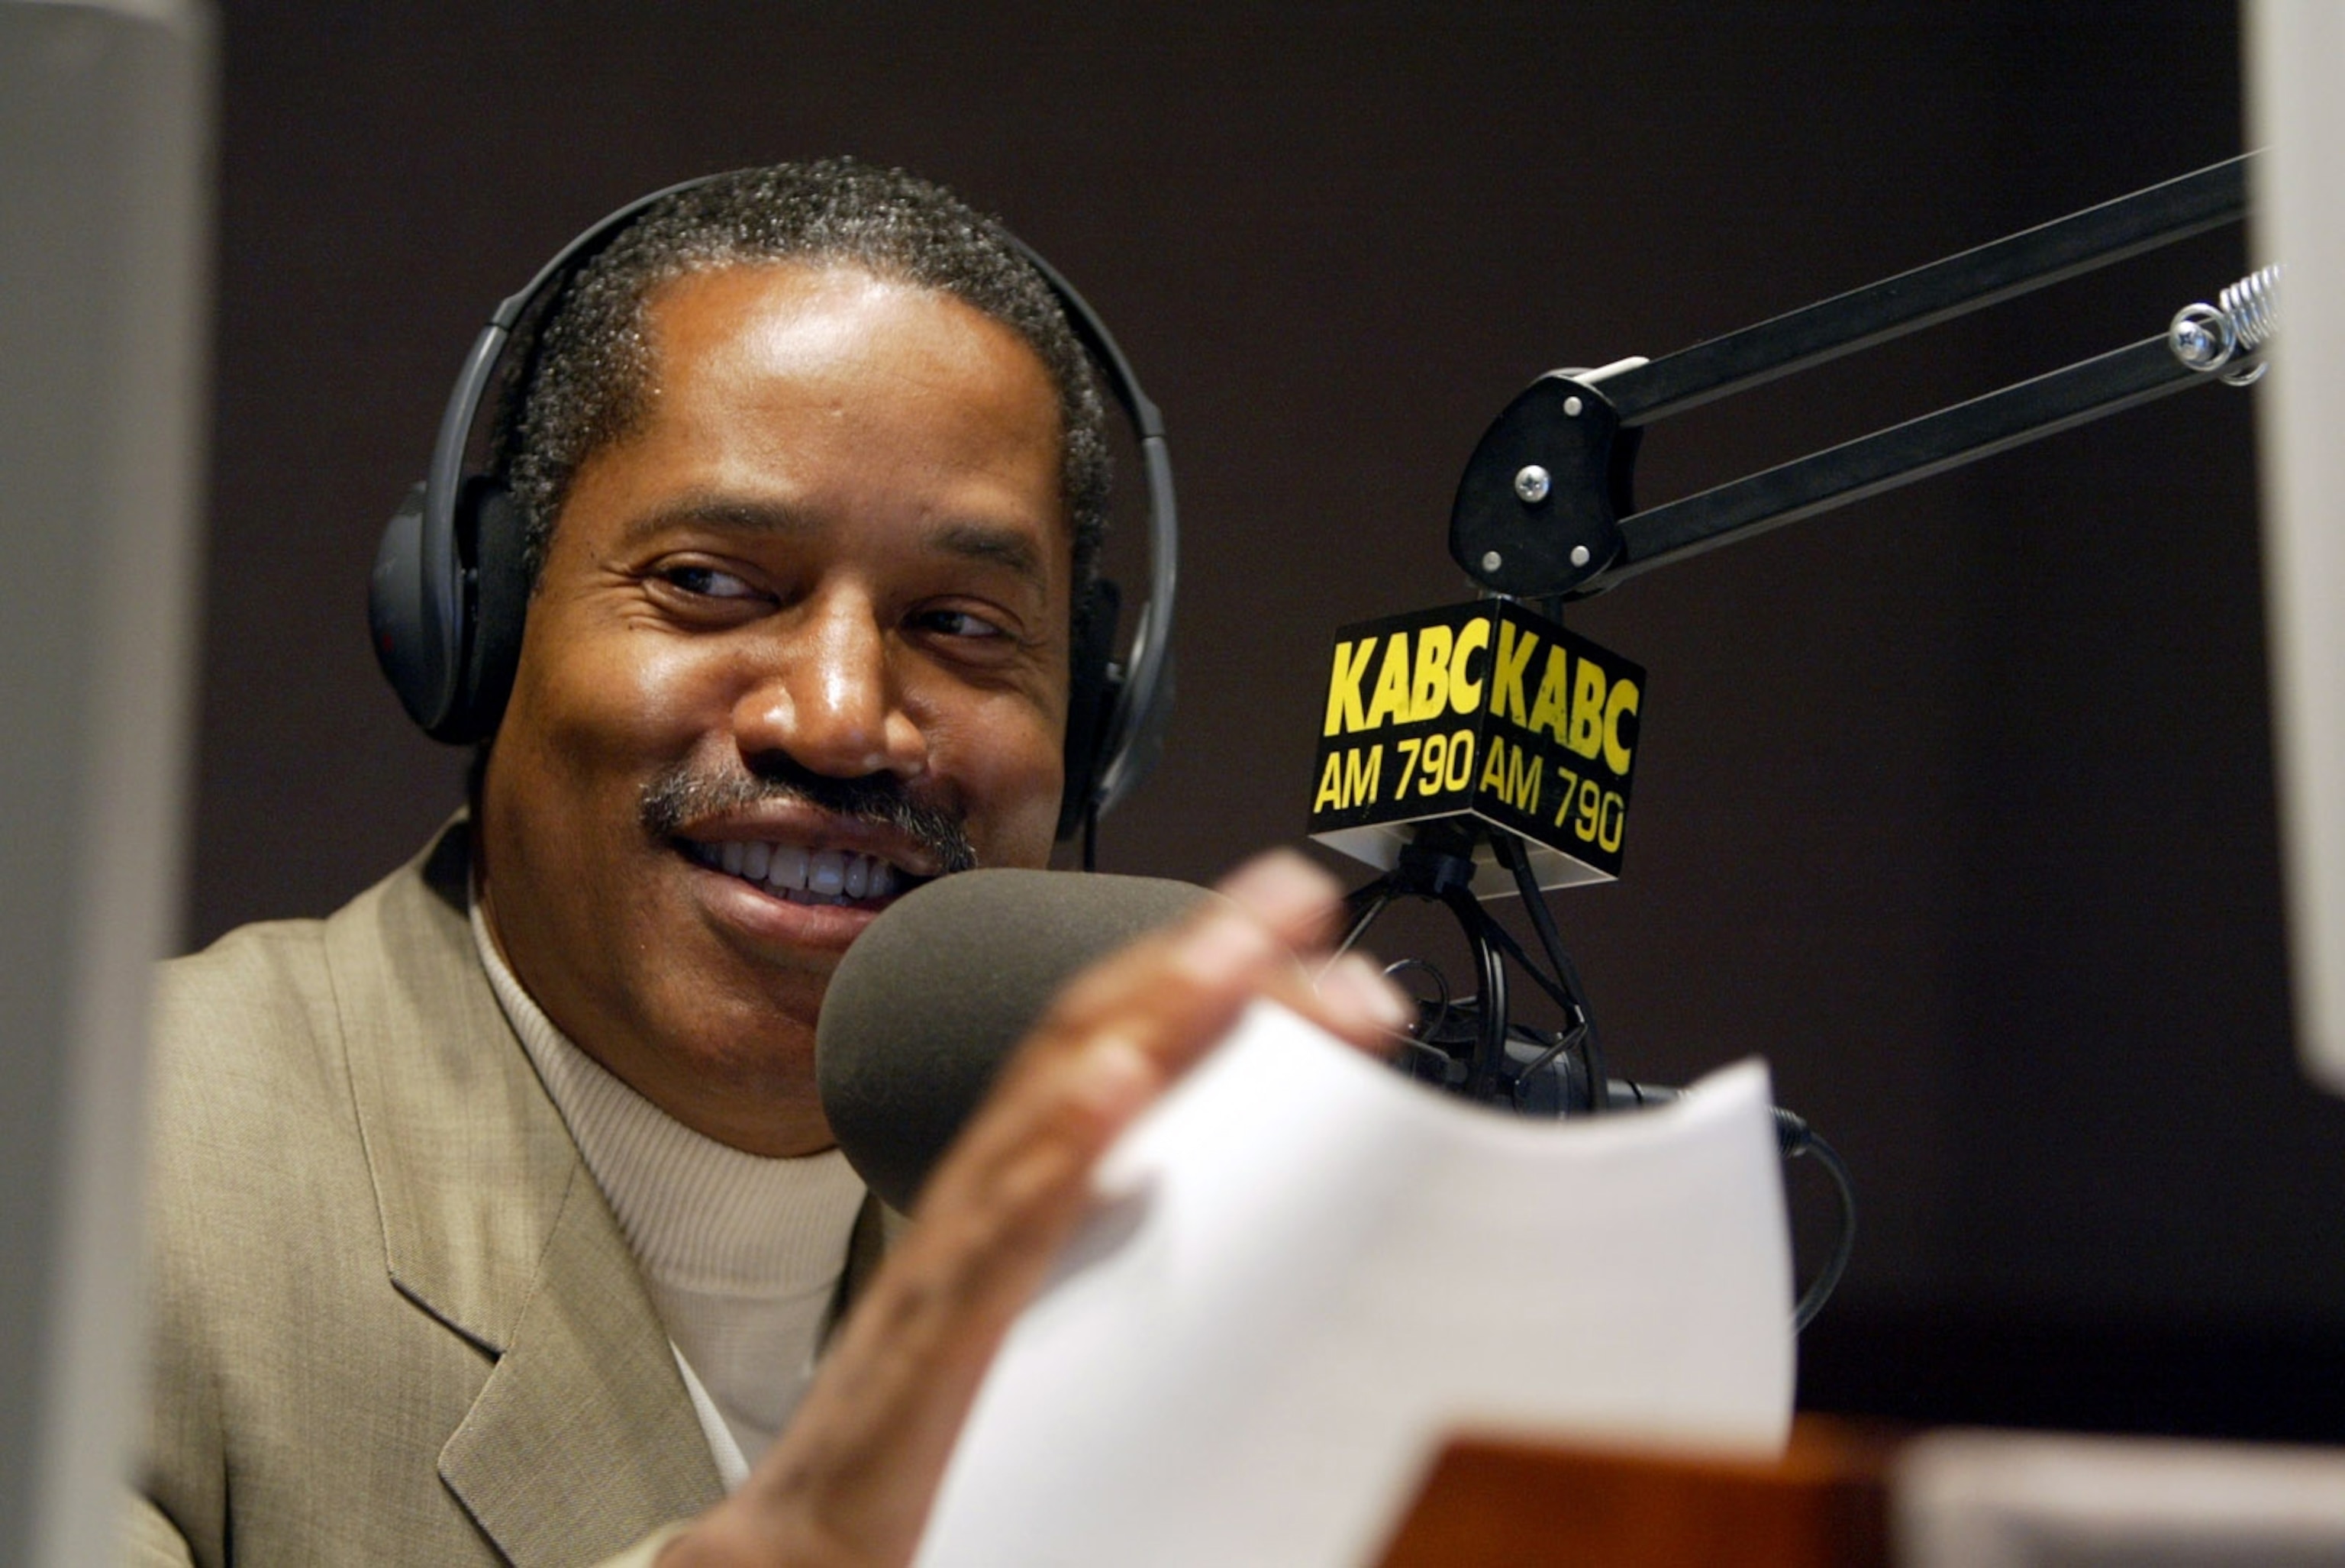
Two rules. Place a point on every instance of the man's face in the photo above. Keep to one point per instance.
(812, 614)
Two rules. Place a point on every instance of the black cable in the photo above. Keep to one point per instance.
(1531, 1069)
(1795, 1137)
(1504, 939)
(1510, 851)
(1490, 1050)
(1491, 945)
(1364, 905)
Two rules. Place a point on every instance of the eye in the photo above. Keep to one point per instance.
(707, 583)
(958, 624)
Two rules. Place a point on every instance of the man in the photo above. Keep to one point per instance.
(497, 1219)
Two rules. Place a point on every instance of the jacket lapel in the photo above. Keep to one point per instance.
(582, 1439)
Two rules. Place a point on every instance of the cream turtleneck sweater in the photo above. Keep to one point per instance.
(742, 1254)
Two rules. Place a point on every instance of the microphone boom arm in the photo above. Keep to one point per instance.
(1544, 509)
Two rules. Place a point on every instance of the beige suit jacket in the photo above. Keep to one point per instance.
(395, 1319)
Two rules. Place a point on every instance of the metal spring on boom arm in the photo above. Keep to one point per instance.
(2243, 319)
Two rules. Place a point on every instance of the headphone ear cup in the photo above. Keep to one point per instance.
(417, 654)
(454, 677)
(1093, 687)
(500, 604)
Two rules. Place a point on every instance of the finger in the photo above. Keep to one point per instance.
(1295, 902)
(1273, 908)
(1355, 1000)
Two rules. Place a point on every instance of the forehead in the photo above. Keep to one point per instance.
(814, 377)
(839, 339)
(793, 373)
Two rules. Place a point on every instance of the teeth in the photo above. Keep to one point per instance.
(808, 877)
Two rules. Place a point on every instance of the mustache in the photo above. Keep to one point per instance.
(682, 795)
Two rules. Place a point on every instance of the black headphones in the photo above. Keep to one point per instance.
(449, 594)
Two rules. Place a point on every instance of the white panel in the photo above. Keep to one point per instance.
(2296, 68)
(105, 115)
(2011, 1499)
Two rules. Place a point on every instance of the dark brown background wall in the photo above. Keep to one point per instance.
(1955, 805)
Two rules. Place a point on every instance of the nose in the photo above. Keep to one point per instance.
(825, 694)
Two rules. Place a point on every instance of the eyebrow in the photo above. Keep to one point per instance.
(997, 543)
(1013, 548)
(730, 514)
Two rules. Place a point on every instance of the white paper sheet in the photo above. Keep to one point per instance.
(1310, 1270)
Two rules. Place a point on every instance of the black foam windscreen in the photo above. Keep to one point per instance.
(933, 996)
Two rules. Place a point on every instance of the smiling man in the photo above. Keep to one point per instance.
(799, 640)
(495, 1216)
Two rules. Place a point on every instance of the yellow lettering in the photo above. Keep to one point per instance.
(1614, 821)
(1523, 774)
(1362, 780)
(1493, 770)
(1622, 702)
(1350, 779)
(1591, 802)
(1331, 785)
(1430, 692)
(1464, 693)
(1392, 684)
(1430, 762)
(1587, 734)
(1461, 761)
(1552, 710)
(1507, 672)
(1512, 773)
(1345, 712)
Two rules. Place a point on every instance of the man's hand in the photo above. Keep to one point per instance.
(852, 1480)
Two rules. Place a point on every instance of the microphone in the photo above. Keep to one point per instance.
(931, 999)
(936, 993)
